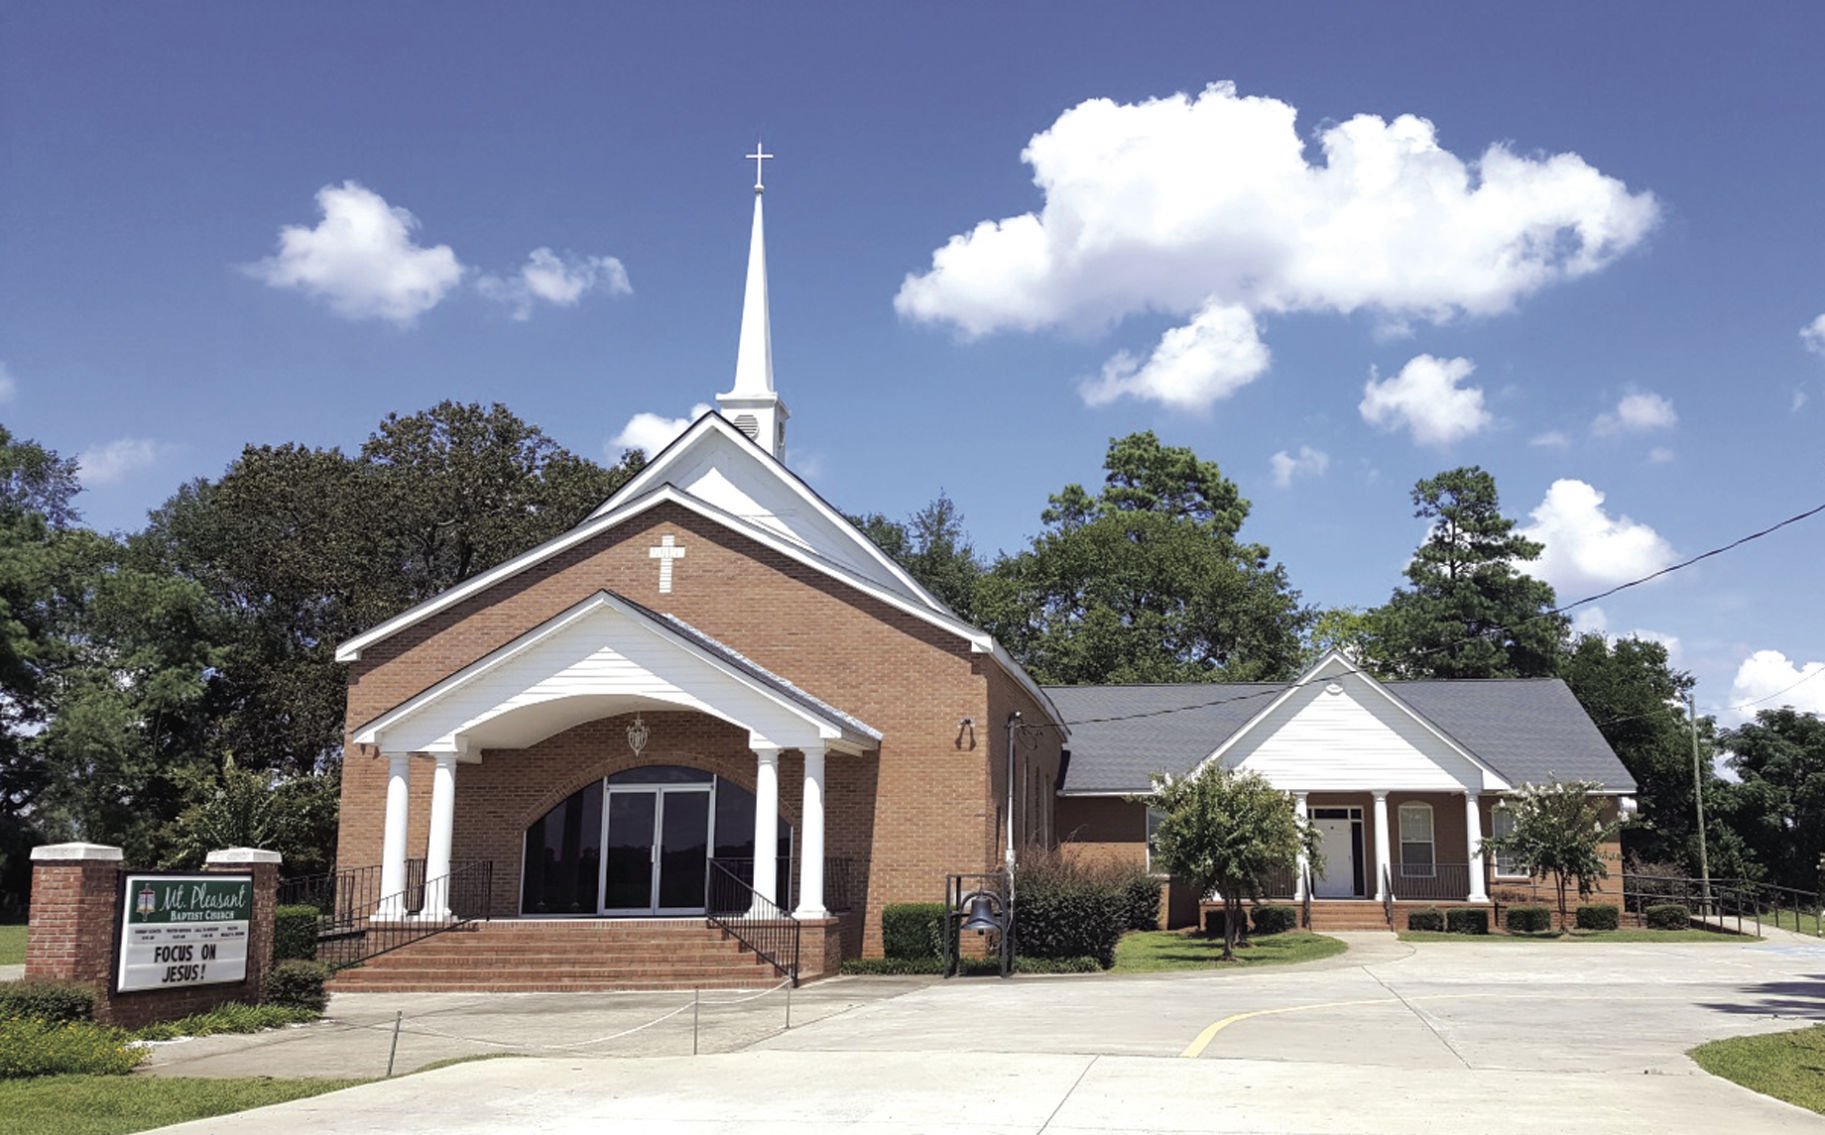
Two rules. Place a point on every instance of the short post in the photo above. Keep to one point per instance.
(398, 1016)
(696, 1008)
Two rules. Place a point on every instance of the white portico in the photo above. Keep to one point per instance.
(604, 657)
(1374, 777)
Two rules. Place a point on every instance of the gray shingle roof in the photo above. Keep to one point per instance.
(1529, 730)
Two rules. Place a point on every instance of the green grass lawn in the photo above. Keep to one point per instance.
(113, 1105)
(1788, 920)
(12, 944)
(1581, 936)
(1787, 1066)
(1153, 951)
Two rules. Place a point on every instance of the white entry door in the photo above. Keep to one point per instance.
(1337, 841)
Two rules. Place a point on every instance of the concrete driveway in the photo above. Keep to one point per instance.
(1389, 1038)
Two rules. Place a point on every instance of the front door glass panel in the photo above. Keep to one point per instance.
(627, 882)
(684, 846)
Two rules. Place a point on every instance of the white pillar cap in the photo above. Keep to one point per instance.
(97, 852)
(242, 855)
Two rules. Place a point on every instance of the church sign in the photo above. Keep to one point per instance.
(183, 930)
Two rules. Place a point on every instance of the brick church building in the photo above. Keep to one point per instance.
(715, 680)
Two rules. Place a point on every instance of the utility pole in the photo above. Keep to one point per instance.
(1698, 802)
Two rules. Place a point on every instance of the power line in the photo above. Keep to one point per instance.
(1281, 688)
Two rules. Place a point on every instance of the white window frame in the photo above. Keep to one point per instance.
(1151, 826)
(1497, 867)
(1412, 870)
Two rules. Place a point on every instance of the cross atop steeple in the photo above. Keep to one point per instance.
(759, 155)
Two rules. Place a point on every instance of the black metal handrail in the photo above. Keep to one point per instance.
(1448, 882)
(1387, 897)
(356, 920)
(757, 922)
(845, 879)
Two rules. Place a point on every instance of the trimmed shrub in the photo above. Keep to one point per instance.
(31, 1047)
(893, 967)
(1057, 965)
(1429, 919)
(1599, 916)
(1467, 920)
(294, 932)
(298, 983)
(1667, 916)
(46, 1001)
(1529, 919)
(233, 1017)
(912, 930)
(1143, 895)
(1275, 919)
(1066, 908)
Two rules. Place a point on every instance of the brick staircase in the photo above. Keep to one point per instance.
(562, 955)
(1348, 914)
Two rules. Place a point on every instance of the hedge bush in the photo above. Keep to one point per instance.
(46, 1001)
(912, 930)
(233, 1017)
(1429, 919)
(1529, 919)
(1467, 920)
(1143, 894)
(1067, 908)
(1667, 916)
(1599, 917)
(298, 983)
(50, 1048)
(294, 932)
(892, 967)
(1275, 919)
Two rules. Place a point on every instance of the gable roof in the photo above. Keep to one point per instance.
(1526, 729)
(839, 725)
(832, 558)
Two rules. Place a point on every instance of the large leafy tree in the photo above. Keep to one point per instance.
(934, 549)
(1146, 581)
(1468, 611)
(1230, 832)
(1559, 829)
(1780, 804)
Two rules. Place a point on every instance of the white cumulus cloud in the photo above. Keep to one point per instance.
(1193, 204)
(1586, 548)
(1769, 679)
(558, 280)
(111, 462)
(1813, 335)
(1193, 366)
(1309, 463)
(1639, 411)
(361, 259)
(653, 432)
(1551, 439)
(1426, 399)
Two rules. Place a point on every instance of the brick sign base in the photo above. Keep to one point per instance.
(74, 932)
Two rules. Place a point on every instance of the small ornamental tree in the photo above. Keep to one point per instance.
(1231, 832)
(1558, 828)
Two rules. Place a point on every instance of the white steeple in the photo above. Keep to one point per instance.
(753, 405)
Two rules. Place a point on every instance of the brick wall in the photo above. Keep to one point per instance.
(920, 807)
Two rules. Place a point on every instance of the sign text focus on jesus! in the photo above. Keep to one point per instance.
(179, 930)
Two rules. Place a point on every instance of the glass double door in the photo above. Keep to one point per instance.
(655, 849)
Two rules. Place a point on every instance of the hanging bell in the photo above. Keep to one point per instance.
(982, 917)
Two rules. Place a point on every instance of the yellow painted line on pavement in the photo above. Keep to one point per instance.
(1196, 1048)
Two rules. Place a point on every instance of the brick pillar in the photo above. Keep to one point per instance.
(264, 866)
(75, 888)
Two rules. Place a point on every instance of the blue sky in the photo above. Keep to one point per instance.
(1610, 306)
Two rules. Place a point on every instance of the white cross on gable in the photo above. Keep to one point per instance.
(667, 551)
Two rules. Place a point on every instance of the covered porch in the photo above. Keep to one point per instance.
(623, 764)
(1413, 846)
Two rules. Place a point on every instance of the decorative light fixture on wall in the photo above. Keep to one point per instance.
(637, 735)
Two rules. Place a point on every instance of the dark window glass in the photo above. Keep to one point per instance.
(662, 774)
(564, 856)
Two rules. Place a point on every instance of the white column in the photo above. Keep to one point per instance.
(437, 849)
(1383, 859)
(811, 839)
(1301, 813)
(766, 821)
(1473, 841)
(393, 844)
